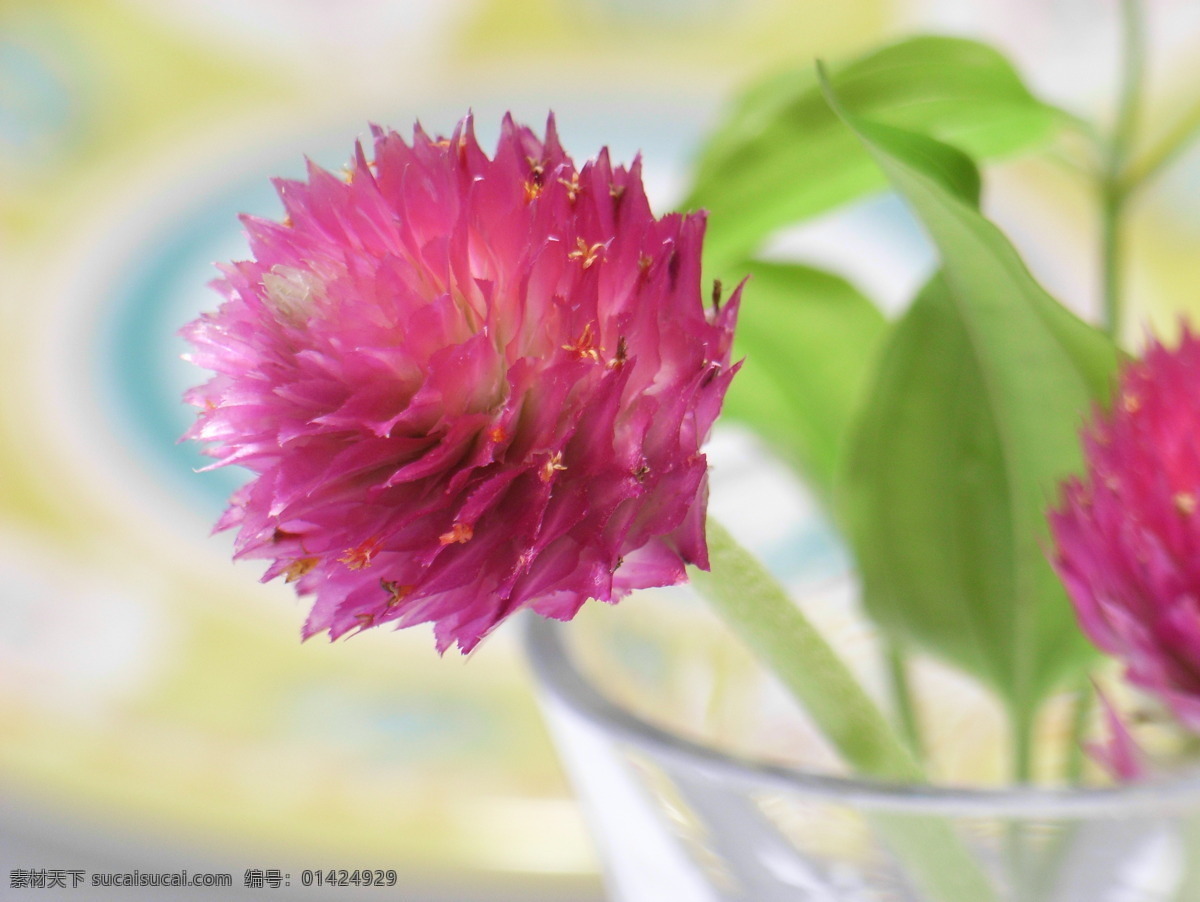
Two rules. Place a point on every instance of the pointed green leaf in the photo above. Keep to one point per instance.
(781, 155)
(808, 338)
(924, 496)
(972, 423)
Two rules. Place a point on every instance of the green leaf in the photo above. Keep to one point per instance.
(972, 424)
(808, 338)
(782, 156)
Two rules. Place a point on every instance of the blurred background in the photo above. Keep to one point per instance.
(157, 709)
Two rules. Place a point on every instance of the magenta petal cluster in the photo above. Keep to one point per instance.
(1128, 535)
(1118, 754)
(465, 385)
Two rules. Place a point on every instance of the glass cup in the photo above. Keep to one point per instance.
(679, 816)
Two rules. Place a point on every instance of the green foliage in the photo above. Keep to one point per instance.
(971, 424)
(781, 156)
(810, 337)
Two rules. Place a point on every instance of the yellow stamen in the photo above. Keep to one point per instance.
(585, 346)
(459, 533)
(552, 464)
(298, 568)
(573, 187)
(582, 252)
(396, 591)
(360, 557)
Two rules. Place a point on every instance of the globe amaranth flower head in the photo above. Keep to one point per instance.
(465, 385)
(1128, 535)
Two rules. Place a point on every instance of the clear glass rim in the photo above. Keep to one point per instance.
(559, 678)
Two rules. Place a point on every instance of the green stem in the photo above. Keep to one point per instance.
(1017, 851)
(1190, 886)
(761, 612)
(1110, 257)
(902, 697)
(1142, 170)
(1113, 192)
(766, 618)
(1133, 61)
(1022, 745)
(1017, 859)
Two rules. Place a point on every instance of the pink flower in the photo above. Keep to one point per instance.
(1128, 536)
(1117, 754)
(466, 386)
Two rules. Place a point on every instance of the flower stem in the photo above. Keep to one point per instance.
(1022, 750)
(1113, 187)
(1110, 251)
(1190, 885)
(766, 618)
(1142, 170)
(759, 610)
(902, 697)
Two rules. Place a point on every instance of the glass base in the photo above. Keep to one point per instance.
(678, 815)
